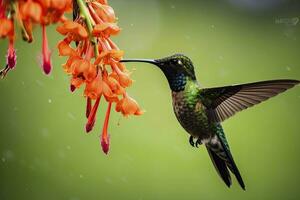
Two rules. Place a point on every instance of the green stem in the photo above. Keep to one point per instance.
(85, 14)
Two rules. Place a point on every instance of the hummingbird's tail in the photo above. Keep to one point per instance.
(220, 166)
(222, 159)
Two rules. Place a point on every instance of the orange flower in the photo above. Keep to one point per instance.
(107, 56)
(102, 2)
(31, 10)
(105, 140)
(76, 82)
(93, 89)
(92, 116)
(6, 28)
(11, 57)
(65, 49)
(105, 12)
(46, 54)
(115, 86)
(108, 93)
(70, 62)
(128, 106)
(74, 30)
(91, 73)
(80, 66)
(105, 30)
(53, 10)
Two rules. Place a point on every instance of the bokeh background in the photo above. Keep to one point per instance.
(45, 153)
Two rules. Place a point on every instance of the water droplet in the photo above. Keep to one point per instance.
(288, 68)
(69, 147)
(49, 101)
(80, 176)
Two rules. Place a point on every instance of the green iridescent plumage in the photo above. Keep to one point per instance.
(200, 111)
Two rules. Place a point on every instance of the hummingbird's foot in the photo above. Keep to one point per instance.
(198, 142)
(191, 140)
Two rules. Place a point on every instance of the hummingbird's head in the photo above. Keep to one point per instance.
(171, 65)
(177, 68)
(177, 64)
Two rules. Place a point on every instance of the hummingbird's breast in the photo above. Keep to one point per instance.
(191, 114)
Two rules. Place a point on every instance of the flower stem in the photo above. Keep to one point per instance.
(85, 14)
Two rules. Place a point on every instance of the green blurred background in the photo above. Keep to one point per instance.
(45, 153)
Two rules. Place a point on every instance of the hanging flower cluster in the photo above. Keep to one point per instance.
(93, 62)
(93, 58)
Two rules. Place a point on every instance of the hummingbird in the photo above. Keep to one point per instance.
(200, 111)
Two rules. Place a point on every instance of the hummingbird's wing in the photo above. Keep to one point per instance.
(224, 102)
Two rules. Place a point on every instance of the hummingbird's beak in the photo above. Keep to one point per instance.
(154, 62)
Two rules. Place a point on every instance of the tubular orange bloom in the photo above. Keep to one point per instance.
(76, 82)
(92, 117)
(105, 12)
(65, 49)
(31, 10)
(108, 93)
(115, 86)
(11, 57)
(6, 28)
(53, 10)
(106, 30)
(80, 66)
(105, 141)
(46, 54)
(90, 73)
(70, 62)
(128, 106)
(104, 2)
(122, 77)
(107, 56)
(74, 30)
(93, 89)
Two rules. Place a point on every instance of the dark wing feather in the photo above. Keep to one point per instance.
(224, 102)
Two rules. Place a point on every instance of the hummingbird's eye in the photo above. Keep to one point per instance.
(174, 61)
